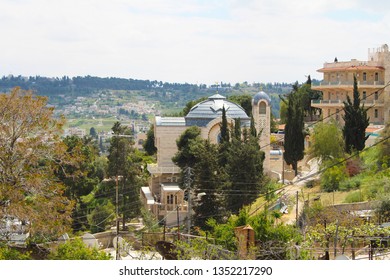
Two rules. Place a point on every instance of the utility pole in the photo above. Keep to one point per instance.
(117, 257)
(188, 183)
(296, 210)
(178, 222)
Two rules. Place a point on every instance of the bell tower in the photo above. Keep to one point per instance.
(261, 111)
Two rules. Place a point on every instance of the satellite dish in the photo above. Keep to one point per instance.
(342, 258)
(90, 240)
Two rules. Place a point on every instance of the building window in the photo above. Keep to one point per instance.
(376, 113)
(376, 76)
(337, 114)
(364, 95)
(262, 108)
(364, 76)
(170, 199)
(376, 95)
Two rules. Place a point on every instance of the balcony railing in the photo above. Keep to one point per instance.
(341, 101)
(350, 83)
(155, 169)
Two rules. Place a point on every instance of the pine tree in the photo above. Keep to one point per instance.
(355, 122)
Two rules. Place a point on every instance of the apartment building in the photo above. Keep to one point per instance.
(373, 77)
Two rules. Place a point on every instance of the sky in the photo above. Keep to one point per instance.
(193, 41)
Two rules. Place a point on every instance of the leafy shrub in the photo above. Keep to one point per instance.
(331, 178)
(354, 197)
(76, 249)
(353, 166)
(350, 184)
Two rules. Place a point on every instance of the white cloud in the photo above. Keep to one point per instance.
(185, 41)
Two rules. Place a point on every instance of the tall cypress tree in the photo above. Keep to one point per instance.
(224, 127)
(355, 122)
(253, 131)
(294, 136)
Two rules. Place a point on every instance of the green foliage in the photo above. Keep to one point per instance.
(148, 145)
(294, 134)
(354, 197)
(206, 179)
(244, 100)
(326, 141)
(225, 138)
(101, 217)
(350, 184)
(245, 172)
(332, 176)
(384, 148)
(267, 234)
(8, 253)
(355, 122)
(184, 156)
(383, 211)
(76, 250)
(125, 165)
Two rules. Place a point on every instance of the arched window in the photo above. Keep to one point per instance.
(262, 108)
(364, 76)
(376, 77)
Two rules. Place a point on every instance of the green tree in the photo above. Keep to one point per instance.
(245, 170)
(384, 147)
(124, 164)
(332, 176)
(244, 100)
(206, 184)
(148, 145)
(225, 137)
(356, 122)
(294, 135)
(76, 250)
(7, 253)
(101, 216)
(326, 141)
(185, 156)
(80, 178)
(31, 151)
(93, 133)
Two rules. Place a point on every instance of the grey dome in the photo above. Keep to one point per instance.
(259, 96)
(210, 109)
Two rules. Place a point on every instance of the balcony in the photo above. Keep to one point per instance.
(348, 84)
(155, 169)
(340, 103)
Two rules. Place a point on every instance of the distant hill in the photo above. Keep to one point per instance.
(177, 93)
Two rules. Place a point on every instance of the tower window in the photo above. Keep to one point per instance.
(376, 76)
(364, 95)
(376, 113)
(364, 76)
(376, 95)
(262, 108)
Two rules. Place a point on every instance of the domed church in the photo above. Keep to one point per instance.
(164, 195)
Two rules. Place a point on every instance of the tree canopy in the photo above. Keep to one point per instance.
(30, 153)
